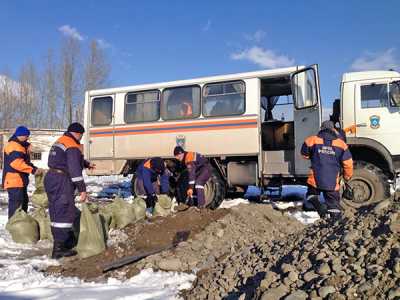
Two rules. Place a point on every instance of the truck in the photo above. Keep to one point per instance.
(250, 126)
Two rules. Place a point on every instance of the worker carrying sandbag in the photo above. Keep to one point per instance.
(17, 167)
(23, 228)
(328, 154)
(151, 172)
(91, 235)
(66, 164)
(199, 172)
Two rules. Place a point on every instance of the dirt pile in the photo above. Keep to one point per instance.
(212, 236)
(351, 258)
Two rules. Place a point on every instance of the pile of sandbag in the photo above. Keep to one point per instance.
(23, 228)
(121, 213)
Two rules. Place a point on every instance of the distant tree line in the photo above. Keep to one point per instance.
(51, 94)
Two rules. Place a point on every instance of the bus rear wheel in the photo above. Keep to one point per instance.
(214, 189)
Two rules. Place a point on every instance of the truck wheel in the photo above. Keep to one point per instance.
(369, 184)
(214, 189)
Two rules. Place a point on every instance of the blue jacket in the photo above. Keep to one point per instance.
(194, 162)
(328, 154)
(146, 173)
(66, 155)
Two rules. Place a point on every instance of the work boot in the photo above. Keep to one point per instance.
(60, 251)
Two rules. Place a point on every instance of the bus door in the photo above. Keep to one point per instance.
(307, 111)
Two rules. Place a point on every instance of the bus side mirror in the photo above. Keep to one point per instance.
(395, 93)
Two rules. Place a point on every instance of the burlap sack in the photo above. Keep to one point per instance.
(163, 206)
(23, 228)
(123, 214)
(43, 219)
(39, 196)
(91, 236)
(139, 206)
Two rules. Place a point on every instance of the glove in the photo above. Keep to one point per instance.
(190, 192)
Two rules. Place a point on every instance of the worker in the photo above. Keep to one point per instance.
(186, 109)
(17, 167)
(149, 173)
(328, 154)
(199, 172)
(66, 164)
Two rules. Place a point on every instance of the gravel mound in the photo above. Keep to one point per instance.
(356, 257)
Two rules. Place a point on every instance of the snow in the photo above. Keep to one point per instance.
(21, 266)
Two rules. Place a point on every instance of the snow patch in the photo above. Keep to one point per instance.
(228, 203)
(305, 217)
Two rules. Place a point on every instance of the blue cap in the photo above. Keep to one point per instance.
(22, 131)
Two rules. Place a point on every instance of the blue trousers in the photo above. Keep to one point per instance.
(17, 197)
(60, 192)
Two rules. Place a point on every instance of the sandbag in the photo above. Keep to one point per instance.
(43, 220)
(91, 236)
(23, 228)
(139, 206)
(163, 206)
(123, 213)
(39, 196)
(106, 216)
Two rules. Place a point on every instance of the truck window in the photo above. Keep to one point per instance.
(142, 106)
(374, 95)
(224, 99)
(102, 108)
(181, 103)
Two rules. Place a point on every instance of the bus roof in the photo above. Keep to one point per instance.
(236, 76)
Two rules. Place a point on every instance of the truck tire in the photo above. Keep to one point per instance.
(369, 184)
(214, 189)
(134, 189)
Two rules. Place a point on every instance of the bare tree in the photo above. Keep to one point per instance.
(29, 105)
(97, 68)
(8, 100)
(70, 52)
(50, 92)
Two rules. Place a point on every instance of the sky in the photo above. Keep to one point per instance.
(155, 41)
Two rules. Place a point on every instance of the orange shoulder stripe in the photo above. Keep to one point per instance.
(14, 146)
(68, 142)
(339, 143)
(190, 157)
(313, 140)
(147, 164)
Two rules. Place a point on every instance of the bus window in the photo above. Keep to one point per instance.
(181, 103)
(102, 108)
(224, 99)
(142, 106)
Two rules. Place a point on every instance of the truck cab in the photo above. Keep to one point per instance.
(370, 116)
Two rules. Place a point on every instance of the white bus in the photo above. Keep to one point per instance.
(250, 125)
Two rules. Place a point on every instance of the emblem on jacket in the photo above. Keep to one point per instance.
(181, 141)
(374, 121)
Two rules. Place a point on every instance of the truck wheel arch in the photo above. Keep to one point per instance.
(368, 150)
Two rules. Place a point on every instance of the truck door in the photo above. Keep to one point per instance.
(101, 124)
(377, 114)
(307, 111)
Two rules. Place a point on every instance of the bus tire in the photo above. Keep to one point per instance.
(214, 189)
(369, 184)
